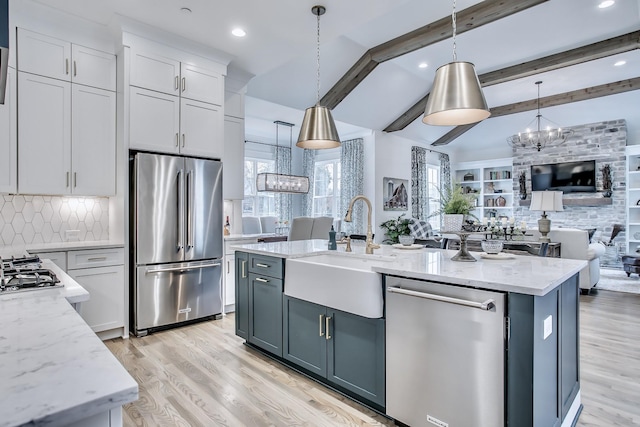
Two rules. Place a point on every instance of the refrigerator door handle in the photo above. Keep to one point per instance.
(191, 267)
(487, 305)
(180, 215)
(189, 209)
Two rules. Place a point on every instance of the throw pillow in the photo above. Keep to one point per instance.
(420, 230)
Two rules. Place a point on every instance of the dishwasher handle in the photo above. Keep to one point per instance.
(487, 305)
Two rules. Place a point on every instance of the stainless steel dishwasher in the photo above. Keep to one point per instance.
(445, 352)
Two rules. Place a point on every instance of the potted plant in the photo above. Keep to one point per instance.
(455, 206)
(394, 228)
(607, 182)
(522, 181)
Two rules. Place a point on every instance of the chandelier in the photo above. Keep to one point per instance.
(282, 183)
(543, 136)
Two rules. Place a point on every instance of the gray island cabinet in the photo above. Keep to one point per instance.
(524, 353)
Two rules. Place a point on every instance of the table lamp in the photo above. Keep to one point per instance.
(545, 201)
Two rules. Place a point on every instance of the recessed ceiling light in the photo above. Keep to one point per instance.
(239, 32)
(185, 10)
(620, 63)
(423, 65)
(606, 3)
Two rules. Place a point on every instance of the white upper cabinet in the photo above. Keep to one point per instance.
(201, 129)
(8, 137)
(233, 171)
(155, 72)
(201, 84)
(154, 121)
(62, 60)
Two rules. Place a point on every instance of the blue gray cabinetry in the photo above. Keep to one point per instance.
(265, 302)
(344, 349)
(242, 294)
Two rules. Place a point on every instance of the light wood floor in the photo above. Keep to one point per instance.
(202, 375)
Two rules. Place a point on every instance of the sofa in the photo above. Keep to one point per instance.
(574, 244)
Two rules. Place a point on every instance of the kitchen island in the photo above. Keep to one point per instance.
(531, 372)
(54, 370)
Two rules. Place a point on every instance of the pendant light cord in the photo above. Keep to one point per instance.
(454, 24)
(318, 59)
(539, 116)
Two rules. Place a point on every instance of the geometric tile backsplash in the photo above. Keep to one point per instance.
(48, 219)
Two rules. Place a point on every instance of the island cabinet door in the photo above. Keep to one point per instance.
(242, 294)
(265, 313)
(356, 354)
(569, 365)
(304, 335)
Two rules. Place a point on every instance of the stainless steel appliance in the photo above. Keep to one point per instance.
(445, 354)
(25, 274)
(4, 47)
(176, 239)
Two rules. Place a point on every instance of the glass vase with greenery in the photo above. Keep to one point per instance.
(394, 228)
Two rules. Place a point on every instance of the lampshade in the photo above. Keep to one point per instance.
(318, 131)
(546, 201)
(456, 97)
(279, 183)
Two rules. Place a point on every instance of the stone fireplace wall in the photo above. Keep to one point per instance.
(604, 142)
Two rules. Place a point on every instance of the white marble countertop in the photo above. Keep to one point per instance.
(54, 370)
(70, 246)
(529, 275)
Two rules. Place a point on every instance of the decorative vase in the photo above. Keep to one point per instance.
(607, 193)
(523, 196)
(453, 222)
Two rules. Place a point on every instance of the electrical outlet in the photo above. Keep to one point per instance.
(72, 235)
(548, 327)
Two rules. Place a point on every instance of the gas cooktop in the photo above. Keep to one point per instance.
(25, 273)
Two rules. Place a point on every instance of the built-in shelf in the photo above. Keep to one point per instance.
(583, 201)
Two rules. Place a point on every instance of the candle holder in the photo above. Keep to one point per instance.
(498, 231)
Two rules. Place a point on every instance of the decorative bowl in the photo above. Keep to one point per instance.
(406, 240)
(492, 246)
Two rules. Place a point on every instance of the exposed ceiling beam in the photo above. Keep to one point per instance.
(548, 101)
(475, 16)
(602, 49)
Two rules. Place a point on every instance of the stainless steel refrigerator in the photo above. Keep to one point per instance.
(176, 236)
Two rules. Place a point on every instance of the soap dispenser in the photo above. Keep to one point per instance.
(332, 240)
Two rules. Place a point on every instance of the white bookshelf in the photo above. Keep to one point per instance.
(633, 198)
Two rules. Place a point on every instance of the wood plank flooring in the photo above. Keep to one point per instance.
(203, 375)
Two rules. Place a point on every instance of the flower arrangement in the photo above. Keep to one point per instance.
(394, 228)
(607, 181)
(522, 181)
(453, 200)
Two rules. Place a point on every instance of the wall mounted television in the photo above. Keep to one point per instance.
(568, 177)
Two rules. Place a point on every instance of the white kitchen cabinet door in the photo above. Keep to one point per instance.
(229, 283)
(233, 160)
(92, 67)
(58, 258)
(93, 139)
(201, 127)
(105, 308)
(155, 72)
(154, 121)
(201, 84)
(44, 55)
(8, 137)
(44, 132)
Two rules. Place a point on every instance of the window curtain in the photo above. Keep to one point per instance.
(352, 184)
(419, 191)
(308, 169)
(283, 166)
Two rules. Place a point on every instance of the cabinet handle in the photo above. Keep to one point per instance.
(244, 273)
(100, 258)
(75, 69)
(66, 66)
(177, 140)
(183, 140)
(67, 179)
(184, 84)
(260, 279)
(176, 82)
(228, 269)
(262, 265)
(320, 318)
(75, 179)
(327, 320)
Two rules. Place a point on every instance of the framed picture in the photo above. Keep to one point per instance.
(395, 194)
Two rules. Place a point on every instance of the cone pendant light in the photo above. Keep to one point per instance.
(318, 131)
(456, 97)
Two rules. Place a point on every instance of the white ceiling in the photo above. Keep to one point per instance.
(279, 50)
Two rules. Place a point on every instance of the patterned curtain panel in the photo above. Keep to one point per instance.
(283, 200)
(352, 184)
(419, 193)
(308, 169)
(445, 176)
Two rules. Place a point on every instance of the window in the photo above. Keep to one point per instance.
(257, 203)
(326, 188)
(433, 184)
